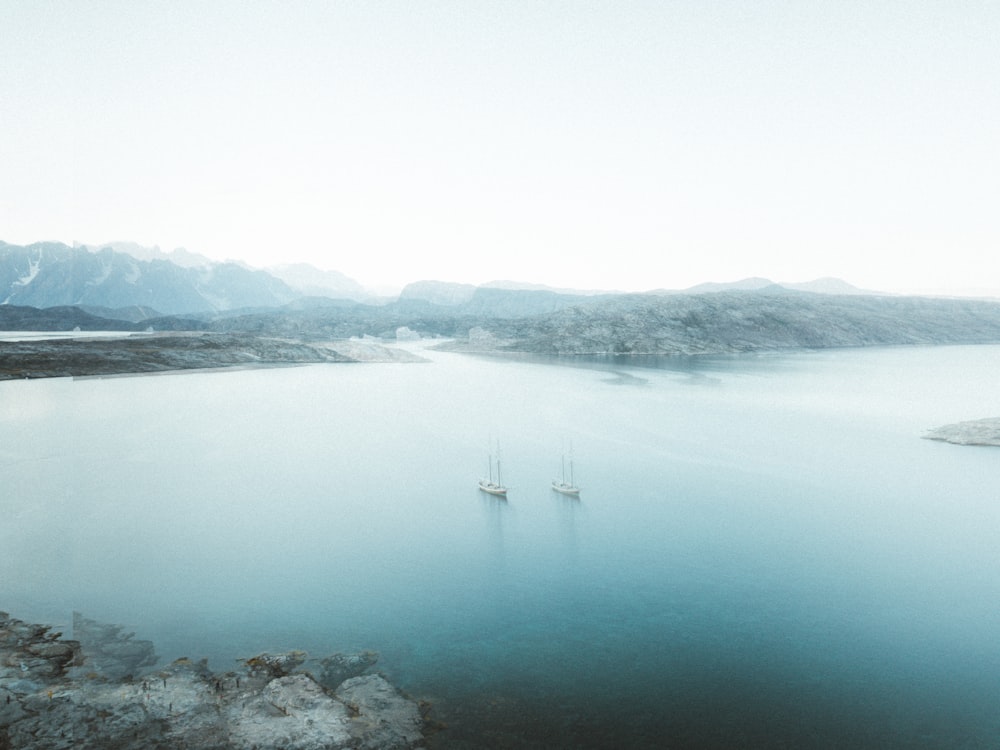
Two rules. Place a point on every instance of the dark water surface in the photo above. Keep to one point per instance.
(764, 554)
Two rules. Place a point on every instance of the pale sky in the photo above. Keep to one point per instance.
(615, 145)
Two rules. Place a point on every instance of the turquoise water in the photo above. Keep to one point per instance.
(764, 553)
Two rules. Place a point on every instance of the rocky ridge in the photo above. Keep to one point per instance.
(729, 322)
(101, 692)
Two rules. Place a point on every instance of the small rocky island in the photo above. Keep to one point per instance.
(974, 432)
(102, 690)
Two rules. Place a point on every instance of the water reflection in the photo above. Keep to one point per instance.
(624, 378)
(567, 508)
(495, 510)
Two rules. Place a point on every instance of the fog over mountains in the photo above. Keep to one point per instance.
(50, 286)
(126, 275)
(49, 274)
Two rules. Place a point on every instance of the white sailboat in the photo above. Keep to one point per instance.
(489, 485)
(562, 485)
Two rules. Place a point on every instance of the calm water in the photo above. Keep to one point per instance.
(765, 554)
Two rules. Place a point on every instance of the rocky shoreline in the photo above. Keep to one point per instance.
(973, 432)
(168, 352)
(102, 691)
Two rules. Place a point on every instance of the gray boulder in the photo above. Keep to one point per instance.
(385, 720)
(293, 713)
(339, 667)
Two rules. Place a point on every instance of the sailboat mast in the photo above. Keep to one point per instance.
(499, 480)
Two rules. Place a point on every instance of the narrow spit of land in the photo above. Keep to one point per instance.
(165, 352)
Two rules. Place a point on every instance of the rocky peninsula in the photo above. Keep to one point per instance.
(102, 691)
(166, 352)
(973, 432)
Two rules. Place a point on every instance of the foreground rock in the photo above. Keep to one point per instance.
(58, 694)
(975, 432)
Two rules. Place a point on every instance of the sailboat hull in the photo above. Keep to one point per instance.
(565, 488)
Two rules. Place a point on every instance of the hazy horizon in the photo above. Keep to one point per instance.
(627, 145)
(388, 289)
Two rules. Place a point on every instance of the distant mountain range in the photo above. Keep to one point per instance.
(51, 286)
(50, 274)
(818, 286)
(129, 281)
(179, 256)
(310, 281)
(230, 314)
